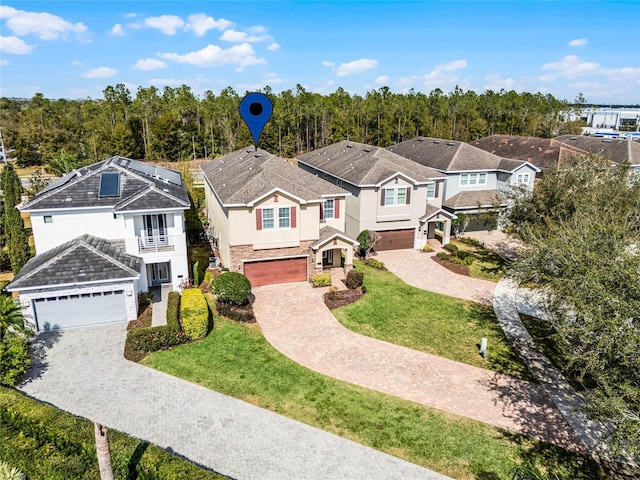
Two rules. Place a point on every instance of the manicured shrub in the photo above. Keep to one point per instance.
(173, 310)
(207, 278)
(451, 247)
(232, 287)
(236, 313)
(194, 313)
(373, 263)
(471, 241)
(321, 280)
(427, 248)
(141, 342)
(442, 255)
(354, 279)
(14, 360)
(196, 274)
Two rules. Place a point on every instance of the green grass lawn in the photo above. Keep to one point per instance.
(445, 326)
(236, 360)
(47, 443)
(199, 253)
(487, 265)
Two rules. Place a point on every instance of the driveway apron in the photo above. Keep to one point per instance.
(83, 372)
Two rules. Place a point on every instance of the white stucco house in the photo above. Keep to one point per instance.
(103, 234)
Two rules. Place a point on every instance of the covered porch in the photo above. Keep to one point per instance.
(435, 224)
(333, 250)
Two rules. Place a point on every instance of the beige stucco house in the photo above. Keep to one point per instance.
(273, 222)
(394, 196)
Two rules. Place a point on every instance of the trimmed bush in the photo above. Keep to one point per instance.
(427, 248)
(173, 310)
(14, 360)
(196, 274)
(354, 279)
(232, 287)
(373, 263)
(321, 280)
(195, 314)
(442, 255)
(450, 247)
(141, 342)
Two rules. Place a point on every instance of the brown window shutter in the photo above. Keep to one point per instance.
(408, 195)
(382, 190)
(293, 217)
(437, 189)
(258, 219)
(336, 208)
(321, 210)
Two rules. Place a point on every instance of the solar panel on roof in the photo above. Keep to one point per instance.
(109, 184)
(157, 172)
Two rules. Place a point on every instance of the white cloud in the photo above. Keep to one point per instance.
(212, 55)
(4, 62)
(117, 30)
(100, 72)
(273, 79)
(166, 23)
(43, 25)
(256, 34)
(76, 63)
(273, 47)
(443, 76)
(14, 45)
(382, 80)
(452, 66)
(161, 82)
(496, 82)
(200, 23)
(149, 64)
(578, 42)
(328, 64)
(571, 66)
(350, 68)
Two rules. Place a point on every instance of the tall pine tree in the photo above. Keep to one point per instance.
(17, 241)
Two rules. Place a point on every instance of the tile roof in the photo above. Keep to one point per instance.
(142, 186)
(616, 149)
(246, 175)
(327, 233)
(82, 260)
(475, 199)
(446, 155)
(541, 152)
(432, 211)
(361, 164)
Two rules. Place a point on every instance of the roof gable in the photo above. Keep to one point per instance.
(84, 259)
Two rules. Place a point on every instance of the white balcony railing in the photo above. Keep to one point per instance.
(155, 243)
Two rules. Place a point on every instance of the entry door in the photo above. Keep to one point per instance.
(155, 225)
(327, 258)
(159, 273)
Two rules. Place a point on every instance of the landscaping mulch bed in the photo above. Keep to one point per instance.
(342, 298)
(143, 320)
(454, 267)
(243, 314)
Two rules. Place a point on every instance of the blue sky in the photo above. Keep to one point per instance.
(74, 49)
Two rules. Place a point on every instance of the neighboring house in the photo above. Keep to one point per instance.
(398, 198)
(618, 150)
(476, 179)
(273, 222)
(102, 234)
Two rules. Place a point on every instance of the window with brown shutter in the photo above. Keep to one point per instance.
(293, 217)
(408, 195)
(336, 208)
(258, 219)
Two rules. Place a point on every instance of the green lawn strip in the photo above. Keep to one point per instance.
(445, 326)
(199, 253)
(236, 360)
(487, 265)
(47, 443)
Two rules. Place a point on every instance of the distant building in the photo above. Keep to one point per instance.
(617, 119)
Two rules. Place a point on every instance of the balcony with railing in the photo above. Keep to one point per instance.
(155, 243)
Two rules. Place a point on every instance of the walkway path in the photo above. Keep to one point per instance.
(506, 306)
(83, 372)
(295, 320)
(418, 269)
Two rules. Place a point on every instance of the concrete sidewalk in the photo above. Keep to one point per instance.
(83, 372)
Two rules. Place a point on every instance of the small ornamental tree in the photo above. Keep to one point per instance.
(232, 287)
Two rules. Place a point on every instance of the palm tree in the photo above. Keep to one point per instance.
(102, 451)
(11, 318)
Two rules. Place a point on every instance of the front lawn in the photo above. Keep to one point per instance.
(236, 360)
(486, 264)
(430, 322)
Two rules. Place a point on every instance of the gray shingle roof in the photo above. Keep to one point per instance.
(447, 155)
(616, 149)
(84, 259)
(361, 164)
(540, 152)
(431, 211)
(327, 232)
(138, 191)
(245, 175)
(475, 199)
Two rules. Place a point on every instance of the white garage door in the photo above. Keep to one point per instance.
(67, 311)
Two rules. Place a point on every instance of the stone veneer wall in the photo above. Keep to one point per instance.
(241, 253)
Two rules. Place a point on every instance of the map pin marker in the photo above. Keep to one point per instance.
(256, 110)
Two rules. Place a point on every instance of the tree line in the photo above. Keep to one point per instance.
(174, 124)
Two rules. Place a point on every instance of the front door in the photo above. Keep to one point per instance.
(327, 258)
(159, 273)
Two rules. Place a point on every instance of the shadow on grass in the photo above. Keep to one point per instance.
(132, 467)
(38, 351)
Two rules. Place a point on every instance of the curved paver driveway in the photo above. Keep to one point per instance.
(83, 372)
(295, 320)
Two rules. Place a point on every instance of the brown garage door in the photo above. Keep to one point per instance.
(395, 240)
(276, 271)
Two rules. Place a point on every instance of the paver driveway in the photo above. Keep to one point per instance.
(295, 320)
(83, 372)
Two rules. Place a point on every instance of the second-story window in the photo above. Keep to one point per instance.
(284, 217)
(327, 211)
(473, 179)
(431, 190)
(395, 196)
(267, 219)
(523, 178)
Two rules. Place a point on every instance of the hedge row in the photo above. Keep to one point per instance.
(173, 310)
(14, 360)
(321, 280)
(44, 442)
(141, 342)
(195, 314)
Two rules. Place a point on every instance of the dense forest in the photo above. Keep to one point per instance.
(174, 124)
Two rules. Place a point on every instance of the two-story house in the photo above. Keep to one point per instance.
(398, 198)
(273, 222)
(102, 234)
(476, 179)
